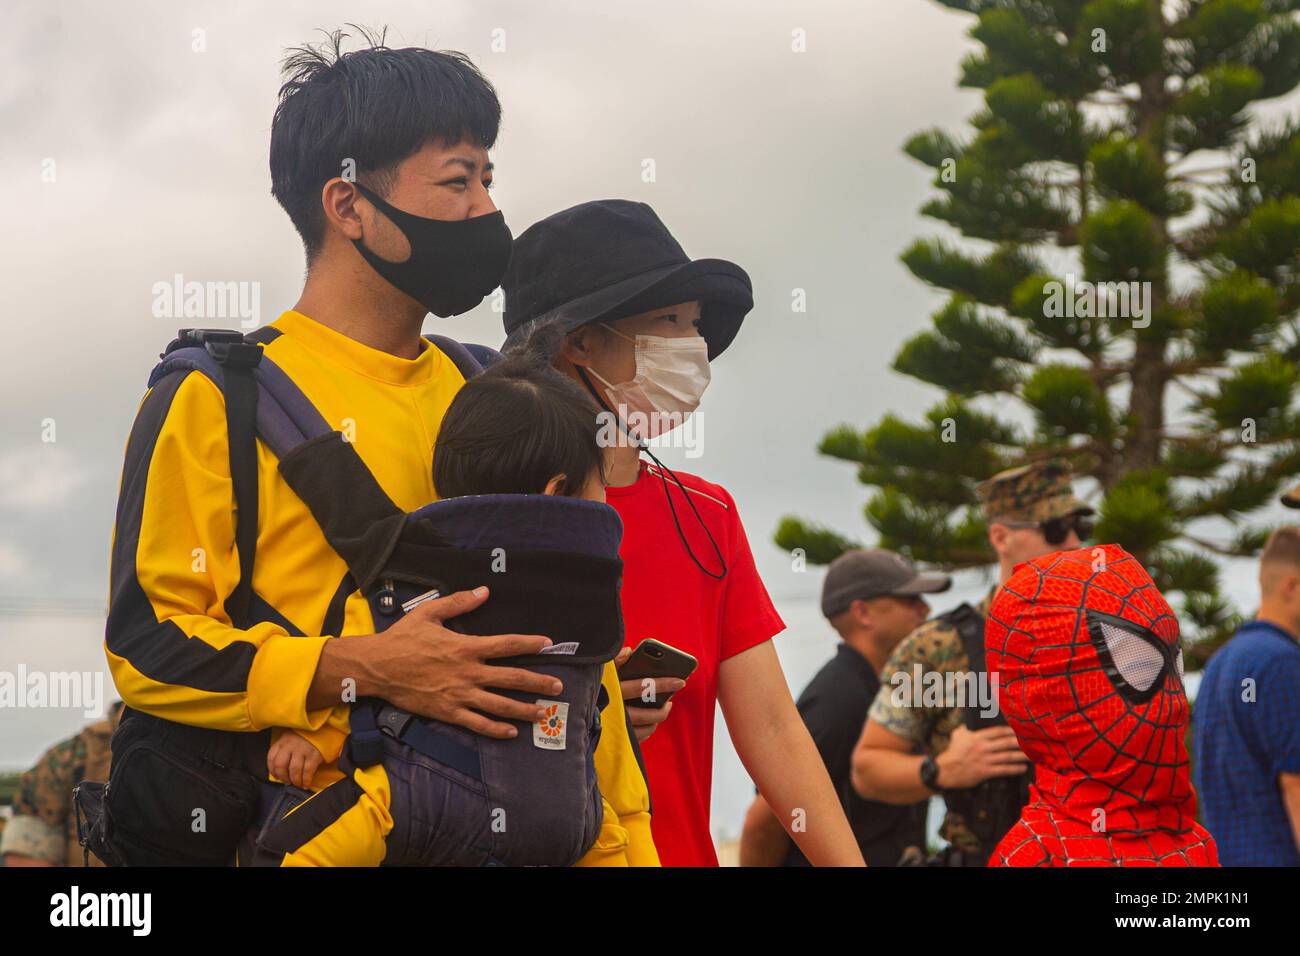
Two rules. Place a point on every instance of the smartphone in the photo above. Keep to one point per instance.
(656, 659)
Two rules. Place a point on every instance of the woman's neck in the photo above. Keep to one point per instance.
(624, 465)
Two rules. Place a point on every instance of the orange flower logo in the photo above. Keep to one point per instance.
(552, 724)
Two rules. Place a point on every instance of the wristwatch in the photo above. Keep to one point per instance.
(930, 774)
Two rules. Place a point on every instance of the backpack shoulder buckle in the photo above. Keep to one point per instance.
(228, 346)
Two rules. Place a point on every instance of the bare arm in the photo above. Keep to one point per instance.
(885, 769)
(763, 842)
(1290, 784)
(776, 749)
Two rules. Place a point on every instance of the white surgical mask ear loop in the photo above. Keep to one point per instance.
(621, 335)
(604, 381)
(626, 338)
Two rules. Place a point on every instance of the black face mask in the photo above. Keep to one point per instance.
(453, 263)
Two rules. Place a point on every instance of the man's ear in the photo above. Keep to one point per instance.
(998, 537)
(553, 486)
(338, 201)
(862, 614)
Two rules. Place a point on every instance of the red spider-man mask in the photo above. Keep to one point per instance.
(1091, 680)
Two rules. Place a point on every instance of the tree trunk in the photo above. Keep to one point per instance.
(1144, 441)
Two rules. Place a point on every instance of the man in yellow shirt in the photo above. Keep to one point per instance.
(380, 158)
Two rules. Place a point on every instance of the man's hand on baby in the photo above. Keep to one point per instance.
(293, 759)
(433, 671)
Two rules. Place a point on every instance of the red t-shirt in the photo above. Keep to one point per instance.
(665, 596)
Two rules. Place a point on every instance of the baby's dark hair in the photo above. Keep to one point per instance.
(513, 428)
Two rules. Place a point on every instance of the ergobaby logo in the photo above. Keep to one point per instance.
(419, 599)
(102, 909)
(552, 730)
(568, 647)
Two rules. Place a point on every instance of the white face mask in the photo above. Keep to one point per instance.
(671, 375)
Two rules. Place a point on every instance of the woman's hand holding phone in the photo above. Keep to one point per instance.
(648, 683)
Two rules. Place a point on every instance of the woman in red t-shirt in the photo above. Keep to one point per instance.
(604, 292)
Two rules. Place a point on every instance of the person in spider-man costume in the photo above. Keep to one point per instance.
(1091, 679)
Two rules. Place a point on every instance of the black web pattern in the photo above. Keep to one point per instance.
(1093, 747)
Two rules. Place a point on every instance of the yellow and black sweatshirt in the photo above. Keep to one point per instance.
(172, 649)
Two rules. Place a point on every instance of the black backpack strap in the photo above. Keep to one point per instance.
(241, 425)
(970, 629)
(358, 519)
(237, 357)
(263, 336)
(238, 360)
(990, 808)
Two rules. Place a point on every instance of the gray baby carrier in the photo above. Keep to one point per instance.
(462, 799)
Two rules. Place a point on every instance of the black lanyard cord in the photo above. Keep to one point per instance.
(664, 469)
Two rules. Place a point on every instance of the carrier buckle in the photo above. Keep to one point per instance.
(393, 721)
(366, 747)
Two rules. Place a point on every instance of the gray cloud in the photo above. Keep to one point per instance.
(787, 163)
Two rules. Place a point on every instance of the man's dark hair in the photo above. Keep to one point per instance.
(374, 106)
(512, 429)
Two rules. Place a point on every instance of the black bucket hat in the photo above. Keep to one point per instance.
(611, 258)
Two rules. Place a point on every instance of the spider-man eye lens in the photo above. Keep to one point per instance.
(1180, 663)
(1135, 658)
(1137, 661)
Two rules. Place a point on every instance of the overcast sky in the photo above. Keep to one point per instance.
(137, 157)
(787, 163)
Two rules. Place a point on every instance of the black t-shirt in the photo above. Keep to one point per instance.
(834, 707)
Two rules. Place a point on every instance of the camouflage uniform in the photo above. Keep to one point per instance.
(936, 646)
(1032, 493)
(44, 823)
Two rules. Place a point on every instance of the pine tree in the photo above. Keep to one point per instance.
(1115, 156)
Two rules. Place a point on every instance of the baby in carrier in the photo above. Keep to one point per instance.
(520, 479)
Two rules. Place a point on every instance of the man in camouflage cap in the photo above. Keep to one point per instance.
(43, 828)
(915, 745)
(1034, 494)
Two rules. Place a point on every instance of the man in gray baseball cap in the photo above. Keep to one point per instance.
(873, 599)
(864, 575)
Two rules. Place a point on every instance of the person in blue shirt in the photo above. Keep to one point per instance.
(1246, 723)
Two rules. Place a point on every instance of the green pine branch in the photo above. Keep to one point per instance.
(1119, 133)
